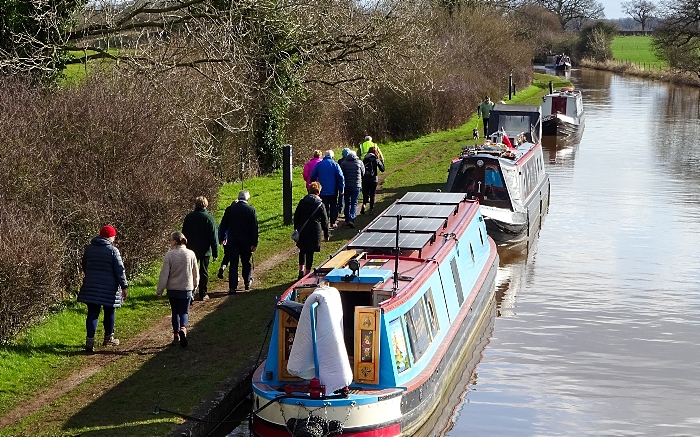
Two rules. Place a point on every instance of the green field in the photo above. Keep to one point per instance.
(637, 50)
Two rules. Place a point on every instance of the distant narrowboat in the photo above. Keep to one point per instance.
(506, 173)
(368, 342)
(563, 116)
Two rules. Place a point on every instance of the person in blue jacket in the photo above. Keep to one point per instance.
(330, 176)
(104, 285)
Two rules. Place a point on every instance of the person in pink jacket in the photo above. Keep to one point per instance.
(309, 167)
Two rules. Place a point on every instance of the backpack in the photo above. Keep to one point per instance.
(370, 168)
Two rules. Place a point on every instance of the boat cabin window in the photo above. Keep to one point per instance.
(457, 281)
(433, 322)
(417, 330)
(514, 124)
(398, 344)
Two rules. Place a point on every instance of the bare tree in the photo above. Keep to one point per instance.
(255, 56)
(640, 11)
(570, 10)
(677, 39)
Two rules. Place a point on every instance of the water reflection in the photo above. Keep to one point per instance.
(598, 327)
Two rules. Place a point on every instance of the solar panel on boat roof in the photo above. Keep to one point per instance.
(423, 211)
(409, 224)
(387, 240)
(435, 198)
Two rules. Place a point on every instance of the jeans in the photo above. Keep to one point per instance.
(203, 275)
(93, 314)
(331, 204)
(486, 127)
(244, 254)
(351, 196)
(180, 308)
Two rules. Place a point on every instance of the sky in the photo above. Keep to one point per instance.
(613, 9)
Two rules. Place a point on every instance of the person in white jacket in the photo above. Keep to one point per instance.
(179, 276)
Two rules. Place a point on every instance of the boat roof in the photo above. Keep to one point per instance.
(516, 109)
(427, 222)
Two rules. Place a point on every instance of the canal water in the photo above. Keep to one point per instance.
(598, 326)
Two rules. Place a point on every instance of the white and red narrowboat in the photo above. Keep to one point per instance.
(506, 174)
(563, 116)
(368, 343)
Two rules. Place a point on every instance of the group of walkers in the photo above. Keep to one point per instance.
(330, 185)
(185, 266)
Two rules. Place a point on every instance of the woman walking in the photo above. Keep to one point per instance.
(180, 276)
(373, 164)
(310, 219)
(104, 285)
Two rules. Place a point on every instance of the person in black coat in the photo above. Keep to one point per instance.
(104, 285)
(241, 224)
(310, 219)
(373, 164)
(199, 228)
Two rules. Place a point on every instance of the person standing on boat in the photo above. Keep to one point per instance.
(353, 170)
(179, 276)
(200, 230)
(371, 178)
(484, 111)
(330, 176)
(241, 224)
(310, 219)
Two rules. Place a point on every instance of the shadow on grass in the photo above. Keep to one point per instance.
(175, 378)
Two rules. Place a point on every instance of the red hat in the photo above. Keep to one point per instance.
(108, 231)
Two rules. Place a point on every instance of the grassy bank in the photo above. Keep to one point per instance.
(118, 398)
(637, 50)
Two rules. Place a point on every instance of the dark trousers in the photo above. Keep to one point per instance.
(93, 314)
(369, 190)
(244, 253)
(180, 307)
(331, 204)
(306, 259)
(340, 202)
(486, 127)
(203, 275)
(226, 258)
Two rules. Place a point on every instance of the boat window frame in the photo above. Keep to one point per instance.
(431, 313)
(402, 330)
(457, 280)
(418, 331)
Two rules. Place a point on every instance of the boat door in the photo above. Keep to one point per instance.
(559, 105)
(481, 178)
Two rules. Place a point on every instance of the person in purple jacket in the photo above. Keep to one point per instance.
(330, 176)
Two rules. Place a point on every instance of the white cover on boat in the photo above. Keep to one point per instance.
(334, 368)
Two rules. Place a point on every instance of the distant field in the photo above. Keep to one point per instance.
(636, 49)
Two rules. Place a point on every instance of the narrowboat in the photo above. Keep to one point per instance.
(563, 115)
(368, 342)
(558, 62)
(506, 173)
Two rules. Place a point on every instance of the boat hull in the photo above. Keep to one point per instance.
(566, 131)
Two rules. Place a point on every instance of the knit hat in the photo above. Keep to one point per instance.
(346, 151)
(108, 231)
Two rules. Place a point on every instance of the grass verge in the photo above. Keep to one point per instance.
(118, 399)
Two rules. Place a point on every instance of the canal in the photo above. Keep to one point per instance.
(598, 327)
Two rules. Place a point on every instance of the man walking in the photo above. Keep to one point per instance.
(241, 224)
(330, 176)
(484, 110)
(199, 227)
(353, 170)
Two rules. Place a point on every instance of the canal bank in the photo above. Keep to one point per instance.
(119, 397)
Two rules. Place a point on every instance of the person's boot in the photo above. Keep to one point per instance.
(110, 341)
(362, 210)
(176, 339)
(220, 275)
(89, 344)
(301, 274)
(183, 336)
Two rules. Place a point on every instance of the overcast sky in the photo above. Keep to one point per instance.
(613, 9)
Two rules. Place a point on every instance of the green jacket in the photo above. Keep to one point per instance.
(200, 229)
(364, 148)
(485, 108)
